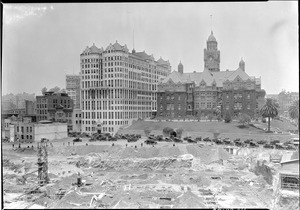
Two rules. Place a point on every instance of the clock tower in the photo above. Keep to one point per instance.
(212, 54)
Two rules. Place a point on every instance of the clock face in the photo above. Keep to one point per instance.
(210, 58)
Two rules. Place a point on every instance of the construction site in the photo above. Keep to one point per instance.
(124, 174)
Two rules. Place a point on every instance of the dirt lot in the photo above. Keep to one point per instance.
(120, 176)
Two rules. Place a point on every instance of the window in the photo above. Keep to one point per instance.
(237, 106)
(179, 106)
(248, 106)
(248, 96)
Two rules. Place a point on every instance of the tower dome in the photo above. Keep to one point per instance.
(211, 37)
(180, 68)
(242, 64)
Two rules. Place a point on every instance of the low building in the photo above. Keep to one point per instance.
(50, 130)
(289, 172)
(28, 131)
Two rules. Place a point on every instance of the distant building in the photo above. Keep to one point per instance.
(73, 89)
(27, 111)
(16, 101)
(285, 99)
(118, 86)
(57, 107)
(200, 93)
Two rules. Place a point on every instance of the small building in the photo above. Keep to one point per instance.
(289, 172)
(27, 131)
(50, 130)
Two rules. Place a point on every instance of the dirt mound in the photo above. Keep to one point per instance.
(208, 154)
(149, 152)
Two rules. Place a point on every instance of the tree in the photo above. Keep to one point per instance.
(294, 111)
(227, 117)
(269, 110)
(147, 131)
(244, 118)
(44, 90)
(210, 117)
(179, 132)
(55, 89)
(167, 131)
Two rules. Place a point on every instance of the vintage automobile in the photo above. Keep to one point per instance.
(175, 139)
(77, 140)
(150, 141)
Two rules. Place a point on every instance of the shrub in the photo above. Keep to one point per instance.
(210, 117)
(244, 118)
(147, 131)
(179, 132)
(167, 131)
(227, 117)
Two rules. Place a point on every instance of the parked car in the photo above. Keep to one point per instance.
(44, 140)
(92, 139)
(279, 146)
(227, 141)
(198, 139)
(270, 146)
(150, 141)
(218, 141)
(207, 139)
(175, 139)
(274, 142)
(248, 141)
(132, 139)
(77, 140)
(239, 144)
(167, 139)
(253, 144)
(190, 140)
(262, 142)
(290, 147)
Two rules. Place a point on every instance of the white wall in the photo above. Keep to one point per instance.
(50, 131)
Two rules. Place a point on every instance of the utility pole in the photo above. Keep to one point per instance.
(42, 154)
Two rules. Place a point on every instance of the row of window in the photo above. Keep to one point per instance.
(28, 129)
(237, 106)
(90, 60)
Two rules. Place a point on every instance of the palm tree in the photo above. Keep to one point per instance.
(294, 111)
(269, 110)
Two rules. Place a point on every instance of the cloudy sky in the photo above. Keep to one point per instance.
(42, 42)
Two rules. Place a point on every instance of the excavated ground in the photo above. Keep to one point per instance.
(180, 176)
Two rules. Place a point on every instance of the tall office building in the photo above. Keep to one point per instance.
(73, 88)
(118, 86)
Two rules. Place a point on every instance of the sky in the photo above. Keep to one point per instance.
(43, 42)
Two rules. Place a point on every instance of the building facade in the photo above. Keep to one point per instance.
(118, 86)
(16, 101)
(73, 89)
(230, 91)
(285, 99)
(24, 130)
(57, 107)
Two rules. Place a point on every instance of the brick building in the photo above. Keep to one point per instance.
(57, 107)
(202, 92)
